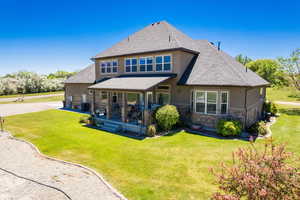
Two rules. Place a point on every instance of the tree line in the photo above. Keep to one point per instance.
(24, 82)
(283, 71)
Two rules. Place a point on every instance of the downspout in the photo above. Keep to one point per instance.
(94, 99)
(245, 107)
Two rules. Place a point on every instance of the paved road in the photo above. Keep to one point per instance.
(29, 97)
(26, 175)
(21, 108)
(288, 103)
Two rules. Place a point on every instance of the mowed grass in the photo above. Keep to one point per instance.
(169, 167)
(37, 100)
(283, 94)
(32, 94)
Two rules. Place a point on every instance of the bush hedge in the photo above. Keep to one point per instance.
(259, 128)
(151, 131)
(270, 107)
(229, 127)
(166, 117)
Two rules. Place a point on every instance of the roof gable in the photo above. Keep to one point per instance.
(214, 67)
(87, 75)
(154, 37)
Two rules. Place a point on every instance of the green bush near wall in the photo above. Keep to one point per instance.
(229, 127)
(166, 117)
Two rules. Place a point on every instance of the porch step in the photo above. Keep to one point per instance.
(110, 127)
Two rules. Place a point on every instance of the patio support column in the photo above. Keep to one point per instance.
(123, 112)
(108, 106)
(93, 102)
(145, 111)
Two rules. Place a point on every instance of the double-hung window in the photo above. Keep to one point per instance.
(146, 64)
(206, 102)
(224, 102)
(211, 102)
(163, 63)
(114, 66)
(103, 67)
(200, 101)
(131, 65)
(109, 66)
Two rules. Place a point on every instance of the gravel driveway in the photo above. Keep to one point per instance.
(26, 175)
(29, 97)
(20, 108)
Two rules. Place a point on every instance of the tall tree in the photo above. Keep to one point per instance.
(292, 66)
(243, 59)
(269, 69)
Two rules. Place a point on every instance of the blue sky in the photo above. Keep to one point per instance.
(45, 36)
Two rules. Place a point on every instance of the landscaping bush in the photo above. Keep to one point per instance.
(259, 128)
(84, 119)
(151, 131)
(270, 107)
(229, 127)
(259, 175)
(166, 117)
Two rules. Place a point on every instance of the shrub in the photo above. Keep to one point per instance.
(229, 127)
(151, 131)
(259, 128)
(259, 175)
(84, 119)
(270, 107)
(166, 117)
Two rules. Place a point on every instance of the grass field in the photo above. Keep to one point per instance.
(169, 167)
(32, 94)
(283, 94)
(36, 100)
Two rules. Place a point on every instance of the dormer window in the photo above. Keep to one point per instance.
(146, 64)
(131, 65)
(163, 63)
(109, 66)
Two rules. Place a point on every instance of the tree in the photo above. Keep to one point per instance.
(259, 175)
(243, 59)
(268, 69)
(61, 74)
(292, 66)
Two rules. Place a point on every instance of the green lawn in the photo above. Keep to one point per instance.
(32, 94)
(36, 100)
(283, 94)
(169, 167)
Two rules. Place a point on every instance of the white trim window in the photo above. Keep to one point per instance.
(146, 64)
(206, 102)
(131, 65)
(224, 102)
(163, 63)
(109, 66)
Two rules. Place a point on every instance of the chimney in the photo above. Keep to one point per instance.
(219, 45)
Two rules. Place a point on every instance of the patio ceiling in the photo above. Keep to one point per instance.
(130, 83)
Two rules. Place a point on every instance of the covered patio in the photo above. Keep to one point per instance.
(125, 103)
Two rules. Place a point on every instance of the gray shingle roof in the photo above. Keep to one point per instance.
(129, 83)
(209, 66)
(87, 75)
(214, 67)
(154, 37)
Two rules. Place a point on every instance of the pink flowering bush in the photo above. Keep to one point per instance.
(259, 175)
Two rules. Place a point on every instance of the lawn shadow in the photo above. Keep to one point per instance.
(295, 96)
(130, 135)
(244, 136)
(290, 111)
(74, 110)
